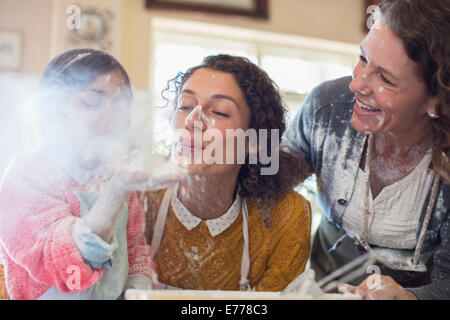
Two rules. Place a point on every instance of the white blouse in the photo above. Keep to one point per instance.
(394, 214)
(215, 226)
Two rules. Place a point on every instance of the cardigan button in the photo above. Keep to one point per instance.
(342, 202)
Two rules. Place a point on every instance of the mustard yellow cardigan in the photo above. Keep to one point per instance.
(196, 260)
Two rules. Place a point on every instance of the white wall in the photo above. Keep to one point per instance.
(32, 18)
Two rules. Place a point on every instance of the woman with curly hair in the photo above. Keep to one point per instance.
(227, 225)
(379, 144)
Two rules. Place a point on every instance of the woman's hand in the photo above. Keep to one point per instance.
(376, 287)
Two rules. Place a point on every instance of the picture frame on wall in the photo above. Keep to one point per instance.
(10, 50)
(99, 26)
(257, 9)
(94, 31)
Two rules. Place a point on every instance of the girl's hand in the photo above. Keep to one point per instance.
(102, 217)
(140, 180)
(376, 287)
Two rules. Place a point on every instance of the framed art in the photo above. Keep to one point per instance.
(10, 50)
(249, 8)
(94, 25)
(95, 30)
(99, 25)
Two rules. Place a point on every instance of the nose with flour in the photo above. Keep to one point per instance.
(197, 118)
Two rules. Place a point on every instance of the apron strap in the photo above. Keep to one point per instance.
(244, 283)
(161, 220)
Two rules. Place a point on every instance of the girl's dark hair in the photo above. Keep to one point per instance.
(76, 68)
(266, 112)
(66, 74)
(424, 28)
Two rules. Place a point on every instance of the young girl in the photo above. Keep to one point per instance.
(69, 226)
(227, 226)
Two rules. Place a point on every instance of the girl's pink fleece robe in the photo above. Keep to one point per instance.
(37, 212)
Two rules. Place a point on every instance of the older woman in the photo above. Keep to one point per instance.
(379, 145)
(229, 225)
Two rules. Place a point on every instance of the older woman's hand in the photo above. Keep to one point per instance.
(376, 287)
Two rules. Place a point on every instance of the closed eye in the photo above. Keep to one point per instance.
(385, 80)
(183, 108)
(221, 114)
(92, 105)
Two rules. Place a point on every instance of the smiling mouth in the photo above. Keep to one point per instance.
(366, 107)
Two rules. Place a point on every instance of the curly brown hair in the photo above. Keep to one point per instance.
(266, 112)
(424, 28)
